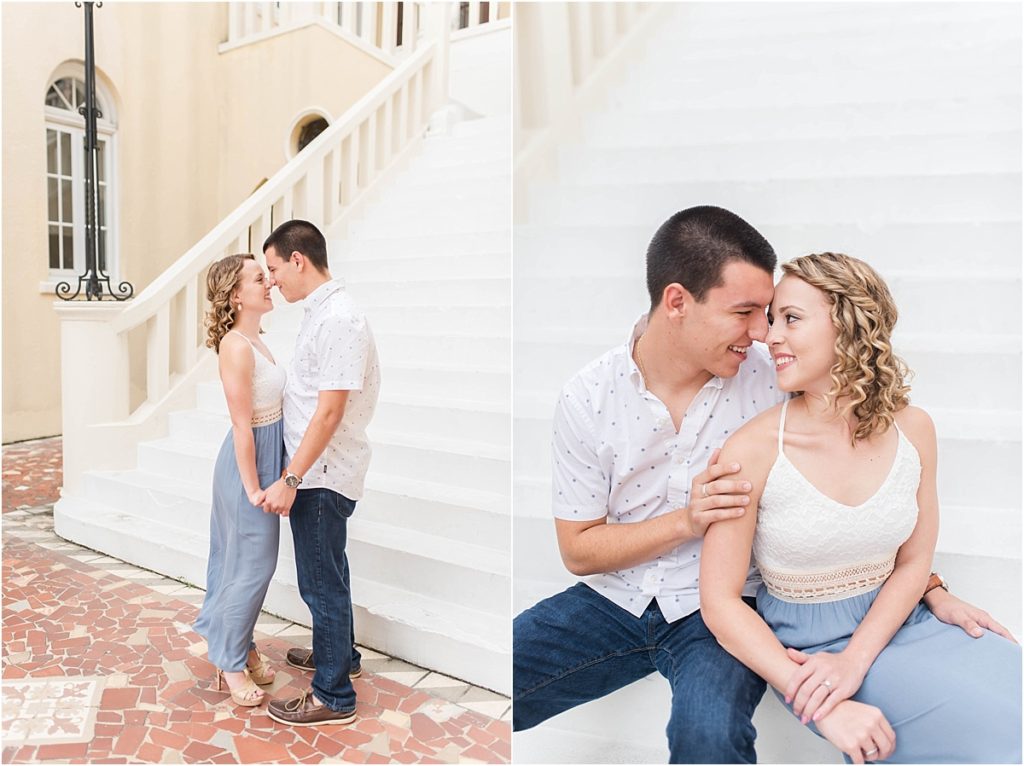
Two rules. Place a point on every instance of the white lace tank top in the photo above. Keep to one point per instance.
(811, 548)
(267, 387)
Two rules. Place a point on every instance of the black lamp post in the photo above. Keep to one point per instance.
(94, 275)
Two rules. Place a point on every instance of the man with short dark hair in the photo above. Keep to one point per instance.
(635, 484)
(329, 399)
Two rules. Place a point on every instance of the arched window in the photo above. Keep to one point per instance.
(307, 126)
(65, 177)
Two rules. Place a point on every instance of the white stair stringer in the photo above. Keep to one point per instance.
(889, 132)
(429, 264)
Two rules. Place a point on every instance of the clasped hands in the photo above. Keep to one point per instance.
(824, 683)
(277, 498)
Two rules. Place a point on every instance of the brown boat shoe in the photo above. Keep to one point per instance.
(304, 711)
(303, 660)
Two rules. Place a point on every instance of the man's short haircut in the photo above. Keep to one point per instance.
(301, 236)
(693, 247)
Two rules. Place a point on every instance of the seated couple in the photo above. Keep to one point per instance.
(827, 481)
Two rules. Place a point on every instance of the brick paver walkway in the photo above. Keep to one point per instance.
(100, 666)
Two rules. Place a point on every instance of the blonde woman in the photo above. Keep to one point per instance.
(243, 539)
(843, 479)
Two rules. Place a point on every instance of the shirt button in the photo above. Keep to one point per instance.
(678, 459)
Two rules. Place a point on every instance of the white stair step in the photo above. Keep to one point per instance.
(794, 158)
(153, 497)
(425, 415)
(968, 197)
(399, 243)
(439, 635)
(666, 125)
(473, 465)
(421, 629)
(179, 458)
(453, 191)
(448, 349)
(477, 517)
(420, 175)
(466, 382)
(466, 266)
(426, 223)
(438, 292)
(211, 424)
(440, 151)
(457, 571)
(561, 250)
(394, 319)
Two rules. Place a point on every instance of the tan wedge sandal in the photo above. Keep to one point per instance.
(248, 695)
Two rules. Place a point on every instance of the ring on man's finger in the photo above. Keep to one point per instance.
(871, 752)
(704, 490)
(826, 683)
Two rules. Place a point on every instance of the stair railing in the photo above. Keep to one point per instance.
(387, 29)
(103, 416)
(567, 55)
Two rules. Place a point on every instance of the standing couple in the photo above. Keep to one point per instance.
(827, 481)
(297, 448)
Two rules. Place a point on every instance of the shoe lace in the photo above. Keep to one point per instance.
(297, 704)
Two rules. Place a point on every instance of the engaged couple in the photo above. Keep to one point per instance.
(297, 448)
(826, 482)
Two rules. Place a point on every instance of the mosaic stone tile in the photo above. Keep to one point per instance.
(68, 618)
(50, 710)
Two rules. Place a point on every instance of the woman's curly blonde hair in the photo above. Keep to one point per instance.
(221, 281)
(866, 372)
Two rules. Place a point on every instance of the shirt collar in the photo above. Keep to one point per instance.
(321, 293)
(639, 327)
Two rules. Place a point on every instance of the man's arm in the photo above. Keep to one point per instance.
(595, 546)
(330, 408)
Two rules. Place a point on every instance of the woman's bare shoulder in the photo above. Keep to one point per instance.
(918, 426)
(756, 439)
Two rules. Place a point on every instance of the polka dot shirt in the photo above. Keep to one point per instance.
(334, 351)
(617, 454)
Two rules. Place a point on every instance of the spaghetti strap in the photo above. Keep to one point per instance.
(236, 332)
(782, 423)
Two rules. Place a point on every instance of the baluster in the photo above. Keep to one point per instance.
(418, 84)
(235, 21)
(313, 209)
(335, 182)
(583, 41)
(348, 17)
(386, 133)
(474, 15)
(371, 148)
(369, 30)
(249, 27)
(158, 347)
(191, 324)
(389, 27)
(266, 16)
(403, 118)
(352, 167)
(492, 12)
(409, 30)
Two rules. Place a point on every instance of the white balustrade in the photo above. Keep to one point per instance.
(565, 59)
(321, 184)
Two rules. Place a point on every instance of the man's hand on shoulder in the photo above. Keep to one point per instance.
(714, 497)
(279, 498)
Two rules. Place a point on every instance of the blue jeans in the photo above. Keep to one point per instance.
(577, 646)
(318, 520)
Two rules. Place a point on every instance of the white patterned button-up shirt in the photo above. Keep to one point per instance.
(334, 351)
(616, 454)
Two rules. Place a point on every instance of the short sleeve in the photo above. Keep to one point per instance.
(579, 486)
(342, 348)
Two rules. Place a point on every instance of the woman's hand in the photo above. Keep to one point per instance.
(822, 681)
(860, 731)
(257, 496)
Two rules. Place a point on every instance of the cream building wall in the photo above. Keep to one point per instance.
(197, 130)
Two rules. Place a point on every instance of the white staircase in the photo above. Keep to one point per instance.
(428, 260)
(891, 132)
